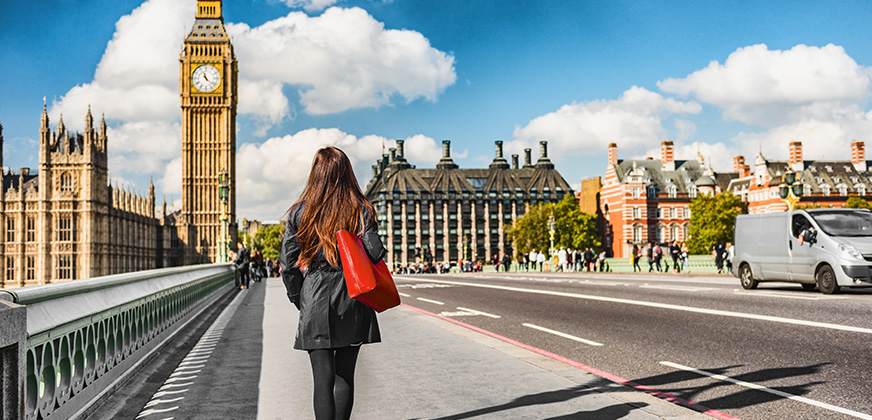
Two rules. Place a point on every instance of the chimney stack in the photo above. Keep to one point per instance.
(795, 162)
(543, 150)
(499, 148)
(528, 158)
(666, 156)
(613, 153)
(374, 171)
(393, 157)
(514, 161)
(738, 163)
(446, 162)
(858, 156)
(400, 151)
(446, 149)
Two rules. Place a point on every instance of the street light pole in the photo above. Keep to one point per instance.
(791, 189)
(223, 195)
(551, 225)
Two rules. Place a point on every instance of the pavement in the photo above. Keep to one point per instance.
(425, 368)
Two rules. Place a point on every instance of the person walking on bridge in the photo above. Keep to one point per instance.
(332, 325)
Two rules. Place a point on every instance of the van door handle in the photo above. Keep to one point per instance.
(790, 245)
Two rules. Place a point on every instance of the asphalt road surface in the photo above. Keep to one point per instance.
(777, 352)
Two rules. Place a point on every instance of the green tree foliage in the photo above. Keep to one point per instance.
(713, 219)
(574, 229)
(269, 240)
(855, 202)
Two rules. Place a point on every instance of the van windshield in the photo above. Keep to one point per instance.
(844, 223)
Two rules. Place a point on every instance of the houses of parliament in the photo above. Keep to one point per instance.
(66, 221)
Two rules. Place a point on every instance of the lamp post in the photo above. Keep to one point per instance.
(791, 189)
(223, 195)
(551, 225)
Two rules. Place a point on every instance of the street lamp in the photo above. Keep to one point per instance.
(551, 225)
(224, 196)
(791, 189)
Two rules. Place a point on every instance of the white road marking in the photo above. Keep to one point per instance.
(458, 313)
(188, 367)
(151, 411)
(162, 393)
(431, 301)
(403, 294)
(779, 295)
(175, 386)
(770, 390)
(564, 335)
(180, 378)
(184, 372)
(156, 402)
(478, 312)
(676, 288)
(691, 309)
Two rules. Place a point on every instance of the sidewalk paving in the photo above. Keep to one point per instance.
(428, 368)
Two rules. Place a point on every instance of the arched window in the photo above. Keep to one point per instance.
(66, 182)
(672, 191)
(652, 191)
(673, 232)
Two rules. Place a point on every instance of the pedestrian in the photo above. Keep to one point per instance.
(506, 262)
(684, 254)
(332, 326)
(540, 260)
(658, 255)
(718, 255)
(601, 260)
(635, 257)
(649, 252)
(675, 252)
(729, 258)
(561, 259)
(243, 265)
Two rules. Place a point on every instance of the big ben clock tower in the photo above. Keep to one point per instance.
(207, 85)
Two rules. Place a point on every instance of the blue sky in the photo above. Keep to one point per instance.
(725, 77)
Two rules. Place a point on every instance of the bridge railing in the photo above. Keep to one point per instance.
(77, 341)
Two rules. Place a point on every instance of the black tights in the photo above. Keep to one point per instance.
(333, 374)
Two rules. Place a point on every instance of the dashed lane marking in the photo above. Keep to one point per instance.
(786, 296)
(692, 309)
(676, 288)
(478, 312)
(184, 374)
(403, 294)
(770, 390)
(431, 301)
(562, 334)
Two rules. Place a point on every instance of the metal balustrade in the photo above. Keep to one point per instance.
(84, 336)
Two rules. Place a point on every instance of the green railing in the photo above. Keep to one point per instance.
(84, 336)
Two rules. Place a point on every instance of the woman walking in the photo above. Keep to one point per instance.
(332, 326)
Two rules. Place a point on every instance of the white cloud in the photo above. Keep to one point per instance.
(310, 5)
(343, 59)
(756, 85)
(271, 175)
(686, 129)
(633, 120)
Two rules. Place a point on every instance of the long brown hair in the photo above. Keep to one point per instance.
(333, 202)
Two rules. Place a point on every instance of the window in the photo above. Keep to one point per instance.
(652, 191)
(31, 229)
(672, 191)
(843, 190)
(31, 268)
(635, 212)
(66, 228)
(662, 231)
(861, 189)
(673, 212)
(635, 193)
(673, 232)
(692, 191)
(66, 267)
(10, 229)
(637, 233)
(826, 190)
(687, 213)
(66, 182)
(10, 269)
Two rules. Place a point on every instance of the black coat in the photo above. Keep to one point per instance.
(329, 318)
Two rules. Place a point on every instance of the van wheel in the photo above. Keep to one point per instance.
(826, 280)
(746, 277)
(808, 286)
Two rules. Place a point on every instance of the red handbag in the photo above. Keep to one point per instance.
(368, 283)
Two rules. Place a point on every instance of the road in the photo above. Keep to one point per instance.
(777, 352)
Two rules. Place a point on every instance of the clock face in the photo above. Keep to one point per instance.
(206, 78)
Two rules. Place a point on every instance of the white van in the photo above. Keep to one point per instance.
(824, 247)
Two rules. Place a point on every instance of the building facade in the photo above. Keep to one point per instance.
(825, 183)
(449, 213)
(645, 201)
(208, 90)
(67, 222)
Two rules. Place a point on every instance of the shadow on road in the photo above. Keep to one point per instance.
(612, 412)
(743, 398)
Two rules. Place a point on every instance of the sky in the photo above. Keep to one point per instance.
(718, 78)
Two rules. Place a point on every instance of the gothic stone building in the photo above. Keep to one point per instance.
(67, 222)
(454, 213)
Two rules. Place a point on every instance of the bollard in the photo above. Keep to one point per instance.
(13, 341)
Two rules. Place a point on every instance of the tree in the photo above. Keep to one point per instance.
(574, 229)
(713, 219)
(269, 240)
(855, 202)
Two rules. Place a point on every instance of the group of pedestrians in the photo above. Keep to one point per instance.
(251, 266)
(658, 256)
(723, 256)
